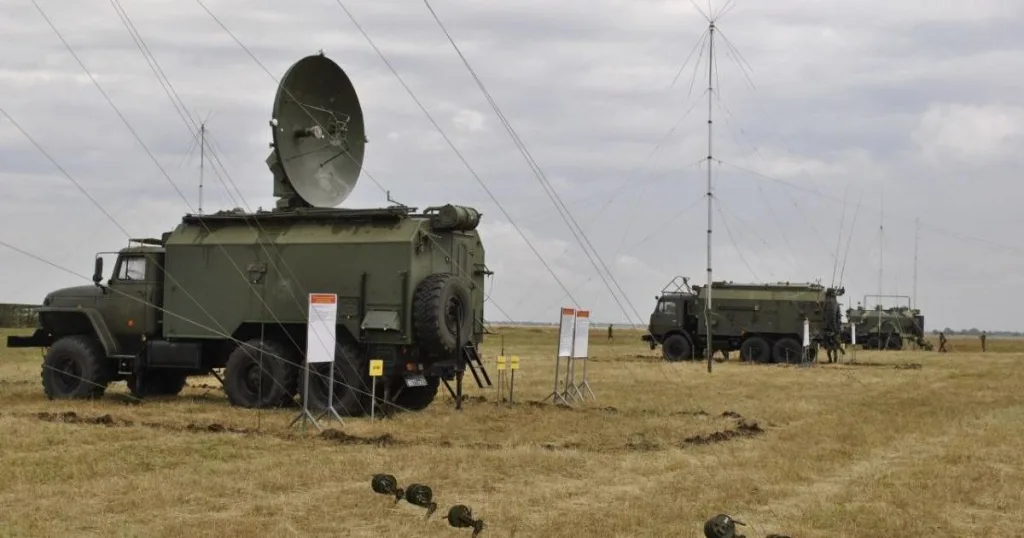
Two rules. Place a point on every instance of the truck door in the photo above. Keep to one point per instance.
(129, 310)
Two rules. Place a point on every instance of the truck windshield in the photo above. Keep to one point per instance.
(666, 306)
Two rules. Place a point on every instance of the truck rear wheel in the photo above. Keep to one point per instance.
(351, 383)
(440, 303)
(415, 398)
(787, 350)
(75, 367)
(676, 348)
(756, 349)
(248, 384)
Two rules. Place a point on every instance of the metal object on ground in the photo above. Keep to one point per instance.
(386, 484)
(460, 516)
(422, 496)
(721, 526)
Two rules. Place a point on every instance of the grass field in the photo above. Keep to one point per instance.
(900, 444)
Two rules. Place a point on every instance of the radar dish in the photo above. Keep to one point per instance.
(319, 137)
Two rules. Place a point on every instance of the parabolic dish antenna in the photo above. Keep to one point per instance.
(318, 131)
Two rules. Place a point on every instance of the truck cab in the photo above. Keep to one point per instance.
(672, 312)
(95, 332)
(131, 297)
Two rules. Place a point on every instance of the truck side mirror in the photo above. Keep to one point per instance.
(97, 274)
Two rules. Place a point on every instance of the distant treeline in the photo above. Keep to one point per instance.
(17, 315)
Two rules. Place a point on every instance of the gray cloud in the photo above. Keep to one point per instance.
(916, 102)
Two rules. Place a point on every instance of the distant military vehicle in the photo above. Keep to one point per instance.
(885, 328)
(230, 289)
(763, 321)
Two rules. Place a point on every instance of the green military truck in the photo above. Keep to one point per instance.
(764, 322)
(885, 328)
(231, 289)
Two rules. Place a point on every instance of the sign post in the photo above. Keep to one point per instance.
(321, 340)
(565, 327)
(513, 365)
(853, 341)
(807, 342)
(580, 350)
(501, 377)
(376, 370)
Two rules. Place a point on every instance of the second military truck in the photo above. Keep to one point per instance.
(764, 322)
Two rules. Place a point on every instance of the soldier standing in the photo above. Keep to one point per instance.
(942, 342)
(982, 341)
(609, 332)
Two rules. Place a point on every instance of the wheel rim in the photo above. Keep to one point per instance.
(790, 353)
(67, 375)
(257, 382)
(674, 349)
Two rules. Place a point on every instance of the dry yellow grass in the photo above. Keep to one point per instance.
(865, 450)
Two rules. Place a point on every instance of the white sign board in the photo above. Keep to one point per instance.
(853, 334)
(565, 332)
(582, 334)
(322, 323)
(807, 333)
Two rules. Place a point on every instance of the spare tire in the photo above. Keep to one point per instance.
(442, 310)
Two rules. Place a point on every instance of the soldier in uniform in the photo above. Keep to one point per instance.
(609, 332)
(942, 342)
(982, 341)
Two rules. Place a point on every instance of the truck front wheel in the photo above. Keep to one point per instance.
(261, 373)
(676, 348)
(75, 367)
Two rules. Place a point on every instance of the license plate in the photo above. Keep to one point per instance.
(415, 381)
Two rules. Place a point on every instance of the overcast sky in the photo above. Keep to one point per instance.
(913, 106)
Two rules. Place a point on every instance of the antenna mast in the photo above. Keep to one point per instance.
(881, 253)
(917, 229)
(707, 302)
(202, 158)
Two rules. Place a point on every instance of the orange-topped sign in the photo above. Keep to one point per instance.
(583, 313)
(321, 327)
(565, 328)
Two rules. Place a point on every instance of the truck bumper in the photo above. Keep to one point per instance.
(39, 338)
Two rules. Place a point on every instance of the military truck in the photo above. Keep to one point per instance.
(764, 322)
(885, 328)
(231, 289)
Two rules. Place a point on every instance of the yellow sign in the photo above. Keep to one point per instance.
(514, 363)
(376, 368)
(501, 362)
